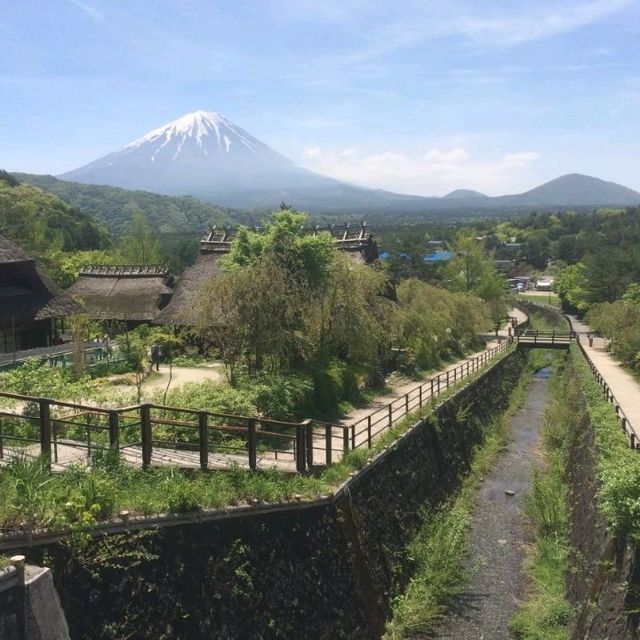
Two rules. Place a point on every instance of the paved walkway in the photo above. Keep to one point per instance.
(623, 385)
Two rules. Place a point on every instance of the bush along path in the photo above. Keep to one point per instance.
(474, 549)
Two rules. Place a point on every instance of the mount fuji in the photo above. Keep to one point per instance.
(205, 155)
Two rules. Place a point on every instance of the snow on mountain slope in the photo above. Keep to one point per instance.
(201, 154)
(209, 131)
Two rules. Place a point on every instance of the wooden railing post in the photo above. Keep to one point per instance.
(420, 394)
(88, 440)
(45, 430)
(300, 452)
(308, 430)
(328, 443)
(145, 434)
(114, 430)
(55, 428)
(203, 440)
(252, 444)
(369, 437)
(345, 440)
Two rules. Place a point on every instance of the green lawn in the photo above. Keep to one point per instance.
(550, 298)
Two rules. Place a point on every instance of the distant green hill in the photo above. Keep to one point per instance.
(114, 207)
(40, 222)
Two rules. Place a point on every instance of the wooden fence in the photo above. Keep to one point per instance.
(148, 434)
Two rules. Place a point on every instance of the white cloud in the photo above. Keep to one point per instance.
(434, 172)
(88, 9)
(537, 21)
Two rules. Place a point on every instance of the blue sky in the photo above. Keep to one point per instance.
(415, 96)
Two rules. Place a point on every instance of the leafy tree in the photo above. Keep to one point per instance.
(632, 295)
(571, 283)
(288, 299)
(140, 245)
(472, 271)
(437, 323)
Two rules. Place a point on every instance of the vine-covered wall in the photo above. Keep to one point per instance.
(604, 584)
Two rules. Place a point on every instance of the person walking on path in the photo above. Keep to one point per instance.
(156, 354)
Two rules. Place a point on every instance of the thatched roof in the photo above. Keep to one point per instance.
(126, 293)
(27, 293)
(356, 240)
(10, 252)
(189, 288)
(353, 238)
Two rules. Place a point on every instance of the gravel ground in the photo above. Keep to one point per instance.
(499, 532)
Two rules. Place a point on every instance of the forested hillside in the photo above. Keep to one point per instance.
(39, 221)
(115, 208)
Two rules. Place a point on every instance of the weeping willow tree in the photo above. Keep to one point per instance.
(288, 300)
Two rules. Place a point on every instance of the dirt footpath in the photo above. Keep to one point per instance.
(499, 532)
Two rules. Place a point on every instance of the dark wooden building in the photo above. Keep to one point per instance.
(32, 306)
(130, 294)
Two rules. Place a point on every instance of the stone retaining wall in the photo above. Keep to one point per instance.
(310, 571)
(604, 584)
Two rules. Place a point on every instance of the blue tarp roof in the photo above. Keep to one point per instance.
(439, 256)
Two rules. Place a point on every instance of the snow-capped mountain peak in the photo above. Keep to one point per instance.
(205, 128)
(200, 152)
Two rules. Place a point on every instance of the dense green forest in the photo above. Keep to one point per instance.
(114, 208)
(40, 222)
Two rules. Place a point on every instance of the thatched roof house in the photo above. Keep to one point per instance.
(130, 294)
(213, 246)
(30, 302)
(356, 240)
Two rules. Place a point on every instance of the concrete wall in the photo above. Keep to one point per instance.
(29, 606)
(11, 606)
(319, 571)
